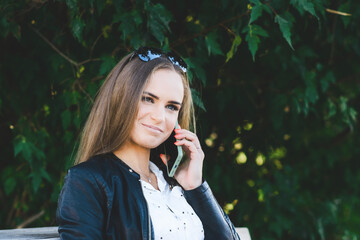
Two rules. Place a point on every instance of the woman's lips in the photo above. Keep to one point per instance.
(153, 128)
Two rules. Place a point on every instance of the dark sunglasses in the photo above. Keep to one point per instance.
(147, 54)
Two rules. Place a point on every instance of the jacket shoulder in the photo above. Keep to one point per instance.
(96, 165)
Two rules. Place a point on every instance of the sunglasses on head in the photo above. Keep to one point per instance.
(147, 54)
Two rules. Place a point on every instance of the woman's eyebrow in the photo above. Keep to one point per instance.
(175, 102)
(156, 97)
(152, 95)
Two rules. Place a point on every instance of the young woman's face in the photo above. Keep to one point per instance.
(158, 109)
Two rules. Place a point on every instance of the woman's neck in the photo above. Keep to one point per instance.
(136, 157)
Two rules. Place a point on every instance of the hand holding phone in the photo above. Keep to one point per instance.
(189, 173)
(173, 153)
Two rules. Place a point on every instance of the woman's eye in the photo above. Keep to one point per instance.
(173, 107)
(147, 99)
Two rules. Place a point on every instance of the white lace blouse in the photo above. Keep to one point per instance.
(171, 215)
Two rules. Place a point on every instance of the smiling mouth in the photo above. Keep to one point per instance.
(153, 128)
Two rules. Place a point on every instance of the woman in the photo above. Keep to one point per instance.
(119, 188)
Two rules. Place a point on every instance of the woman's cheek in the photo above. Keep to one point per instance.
(172, 121)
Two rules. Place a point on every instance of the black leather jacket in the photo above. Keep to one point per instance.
(102, 198)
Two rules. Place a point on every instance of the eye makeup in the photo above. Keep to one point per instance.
(147, 96)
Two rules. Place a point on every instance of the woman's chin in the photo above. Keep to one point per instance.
(152, 144)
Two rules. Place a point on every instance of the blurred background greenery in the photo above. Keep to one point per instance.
(276, 85)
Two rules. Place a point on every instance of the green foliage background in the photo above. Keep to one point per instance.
(279, 83)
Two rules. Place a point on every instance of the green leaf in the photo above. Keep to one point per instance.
(71, 98)
(21, 145)
(39, 154)
(71, 3)
(166, 46)
(213, 46)
(309, 7)
(100, 5)
(197, 99)
(44, 174)
(252, 37)
(118, 6)
(4, 26)
(107, 63)
(257, 30)
(129, 23)
(9, 27)
(256, 2)
(35, 176)
(285, 27)
(92, 88)
(18, 147)
(157, 31)
(352, 114)
(27, 151)
(253, 42)
(66, 119)
(343, 103)
(196, 64)
(163, 16)
(158, 20)
(68, 137)
(77, 121)
(327, 80)
(77, 27)
(267, 9)
(331, 109)
(256, 12)
(16, 31)
(311, 94)
(234, 46)
(9, 185)
(137, 40)
(305, 5)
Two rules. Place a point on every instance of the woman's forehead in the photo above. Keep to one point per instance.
(166, 83)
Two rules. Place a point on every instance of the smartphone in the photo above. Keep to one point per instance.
(173, 153)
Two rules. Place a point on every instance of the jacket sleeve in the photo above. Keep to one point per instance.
(80, 212)
(217, 224)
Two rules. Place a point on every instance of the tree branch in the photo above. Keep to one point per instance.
(84, 91)
(94, 44)
(76, 64)
(31, 219)
(55, 48)
(89, 60)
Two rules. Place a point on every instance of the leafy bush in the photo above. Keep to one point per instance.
(279, 83)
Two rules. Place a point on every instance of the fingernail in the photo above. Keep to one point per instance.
(176, 135)
(163, 159)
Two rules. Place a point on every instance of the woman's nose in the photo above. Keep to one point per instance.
(158, 114)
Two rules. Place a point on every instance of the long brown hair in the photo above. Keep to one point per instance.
(116, 105)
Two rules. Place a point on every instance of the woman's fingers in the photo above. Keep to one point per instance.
(192, 151)
(185, 134)
(189, 174)
(190, 145)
